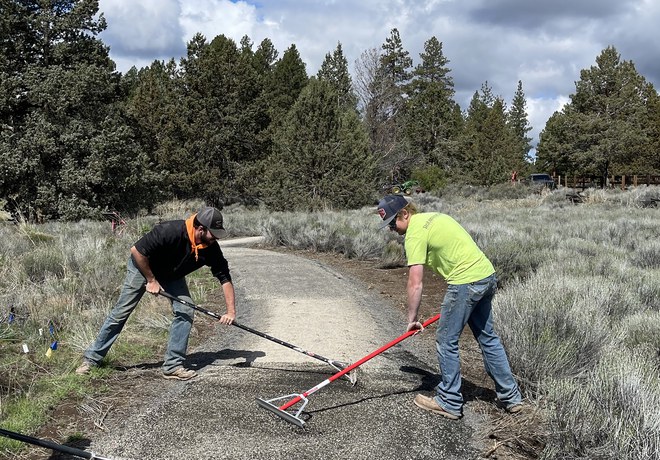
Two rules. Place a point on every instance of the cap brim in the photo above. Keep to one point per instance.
(218, 232)
(387, 221)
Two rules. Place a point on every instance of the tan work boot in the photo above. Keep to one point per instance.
(85, 367)
(515, 408)
(430, 405)
(180, 374)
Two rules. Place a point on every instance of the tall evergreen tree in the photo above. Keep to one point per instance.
(155, 104)
(287, 80)
(265, 57)
(334, 70)
(321, 157)
(519, 124)
(609, 119)
(488, 144)
(66, 147)
(430, 114)
(226, 118)
(385, 109)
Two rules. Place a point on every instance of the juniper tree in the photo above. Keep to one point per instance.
(334, 70)
(321, 157)
(488, 146)
(66, 147)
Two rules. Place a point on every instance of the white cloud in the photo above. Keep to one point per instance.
(144, 29)
(218, 17)
(540, 109)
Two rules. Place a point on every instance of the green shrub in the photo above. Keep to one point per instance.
(43, 262)
(430, 177)
(611, 412)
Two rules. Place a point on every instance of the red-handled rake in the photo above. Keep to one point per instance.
(294, 418)
(338, 365)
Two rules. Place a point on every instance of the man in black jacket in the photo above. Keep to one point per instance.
(160, 260)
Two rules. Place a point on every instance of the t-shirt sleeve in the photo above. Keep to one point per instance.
(415, 246)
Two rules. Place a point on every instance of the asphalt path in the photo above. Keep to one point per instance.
(306, 303)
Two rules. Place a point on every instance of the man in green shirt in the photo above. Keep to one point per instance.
(441, 243)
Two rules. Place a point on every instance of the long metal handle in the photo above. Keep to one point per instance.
(333, 363)
(50, 445)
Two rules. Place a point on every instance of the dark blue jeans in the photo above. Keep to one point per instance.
(471, 304)
(134, 287)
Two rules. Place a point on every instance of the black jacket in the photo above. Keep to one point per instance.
(171, 256)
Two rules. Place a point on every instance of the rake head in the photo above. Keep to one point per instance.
(284, 415)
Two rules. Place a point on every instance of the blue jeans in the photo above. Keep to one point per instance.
(471, 304)
(134, 287)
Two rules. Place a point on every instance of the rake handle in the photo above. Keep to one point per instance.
(253, 331)
(48, 444)
(190, 304)
(288, 345)
(348, 369)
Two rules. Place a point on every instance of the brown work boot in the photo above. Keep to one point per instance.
(180, 373)
(430, 405)
(85, 367)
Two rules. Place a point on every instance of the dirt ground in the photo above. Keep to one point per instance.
(507, 437)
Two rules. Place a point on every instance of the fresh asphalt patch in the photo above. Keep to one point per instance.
(217, 417)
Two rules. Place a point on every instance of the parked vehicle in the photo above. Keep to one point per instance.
(542, 180)
(408, 187)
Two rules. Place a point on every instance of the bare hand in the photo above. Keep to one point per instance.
(153, 287)
(415, 326)
(227, 319)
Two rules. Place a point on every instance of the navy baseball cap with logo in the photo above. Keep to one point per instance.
(389, 207)
(211, 218)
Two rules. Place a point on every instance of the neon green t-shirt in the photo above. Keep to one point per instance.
(437, 240)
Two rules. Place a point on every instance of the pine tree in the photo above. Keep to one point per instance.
(385, 108)
(334, 70)
(430, 114)
(519, 124)
(609, 122)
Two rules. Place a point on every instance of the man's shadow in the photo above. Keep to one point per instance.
(201, 359)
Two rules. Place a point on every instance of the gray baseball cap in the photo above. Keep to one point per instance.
(211, 218)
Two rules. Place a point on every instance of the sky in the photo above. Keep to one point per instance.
(545, 44)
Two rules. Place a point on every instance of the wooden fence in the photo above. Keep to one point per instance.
(622, 182)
